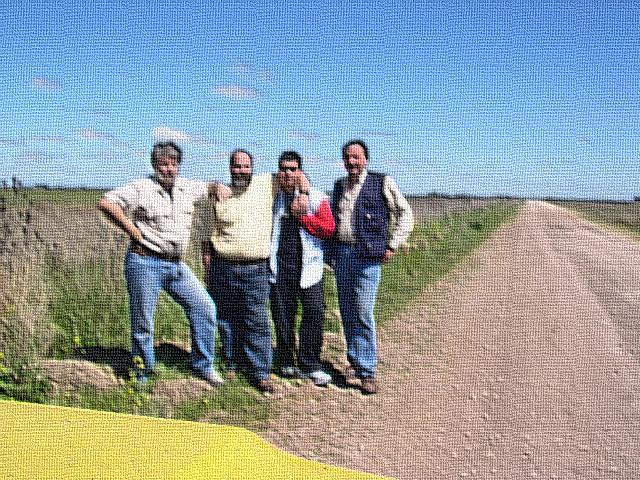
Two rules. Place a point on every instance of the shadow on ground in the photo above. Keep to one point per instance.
(119, 359)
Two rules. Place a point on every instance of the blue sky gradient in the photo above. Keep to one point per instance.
(528, 98)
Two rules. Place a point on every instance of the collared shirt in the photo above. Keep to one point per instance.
(242, 223)
(163, 219)
(399, 209)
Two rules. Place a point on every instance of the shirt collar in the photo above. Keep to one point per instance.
(361, 178)
(178, 185)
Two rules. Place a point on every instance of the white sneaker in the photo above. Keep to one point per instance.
(318, 377)
(212, 378)
(289, 372)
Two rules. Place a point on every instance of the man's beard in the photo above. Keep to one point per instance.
(167, 181)
(241, 180)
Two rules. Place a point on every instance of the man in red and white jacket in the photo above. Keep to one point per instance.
(297, 265)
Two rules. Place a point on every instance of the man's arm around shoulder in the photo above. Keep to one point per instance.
(319, 222)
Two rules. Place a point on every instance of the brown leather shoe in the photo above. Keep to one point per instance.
(369, 386)
(265, 385)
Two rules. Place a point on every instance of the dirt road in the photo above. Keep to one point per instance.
(525, 363)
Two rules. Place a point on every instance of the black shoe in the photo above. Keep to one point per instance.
(369, 386)
(265, 385)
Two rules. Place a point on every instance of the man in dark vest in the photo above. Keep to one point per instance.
(373, 219)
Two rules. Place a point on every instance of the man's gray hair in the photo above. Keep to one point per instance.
(166, 149)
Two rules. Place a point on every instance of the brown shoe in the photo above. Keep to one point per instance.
(350, 377)
(265, 385)
(369, 386)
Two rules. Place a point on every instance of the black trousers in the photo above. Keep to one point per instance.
(285, 294)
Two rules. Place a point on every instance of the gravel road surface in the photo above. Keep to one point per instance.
(523, 363)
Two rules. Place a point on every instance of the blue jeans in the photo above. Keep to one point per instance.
(357, 281)
(240, 291)
(146, 276)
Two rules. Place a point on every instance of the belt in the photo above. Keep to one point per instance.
(217, 257)
(143, 251)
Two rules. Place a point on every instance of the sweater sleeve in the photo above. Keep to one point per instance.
(321, 223)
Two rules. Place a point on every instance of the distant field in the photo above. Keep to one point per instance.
(81, 197)
(622, 215)
(428, 207)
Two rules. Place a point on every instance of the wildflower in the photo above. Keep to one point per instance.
(138, 362)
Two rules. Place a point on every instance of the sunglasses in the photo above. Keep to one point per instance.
(288, 169)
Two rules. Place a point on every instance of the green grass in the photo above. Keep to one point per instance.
(21, 381)
(234, 403)
(125, 399)
(623, 216)
(88, 305)
(239, 406)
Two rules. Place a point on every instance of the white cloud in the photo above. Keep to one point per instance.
(163, 133)
(47, 138)
(43, 83)
(250, 71)
(311, 159)
(375, 133)
(301, 135)
(237, 92)
(202, 141)
(219, 156)
(265, 75)
(88, 134)
(242, 68)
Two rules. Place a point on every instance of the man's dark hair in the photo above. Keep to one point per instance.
(166, 149)
(240, 150)
(356, 142)
(290, 156)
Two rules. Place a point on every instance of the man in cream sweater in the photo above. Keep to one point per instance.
(236, 262)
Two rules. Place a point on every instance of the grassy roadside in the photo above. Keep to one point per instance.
(86, 305)
(623, 216)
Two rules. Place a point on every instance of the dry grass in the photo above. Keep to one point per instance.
(623, 215)
(24, 330)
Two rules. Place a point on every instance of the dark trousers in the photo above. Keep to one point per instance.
(285, 294)
(240, 291)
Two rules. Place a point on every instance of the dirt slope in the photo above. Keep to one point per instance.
(523, 364)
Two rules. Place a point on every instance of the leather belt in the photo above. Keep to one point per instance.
(143, 251)
(256, 261)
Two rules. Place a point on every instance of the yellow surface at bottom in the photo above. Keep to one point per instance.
(46, 442)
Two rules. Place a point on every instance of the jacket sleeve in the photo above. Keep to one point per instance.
(321, 223)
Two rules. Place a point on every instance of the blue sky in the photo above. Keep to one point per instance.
(525, 98)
